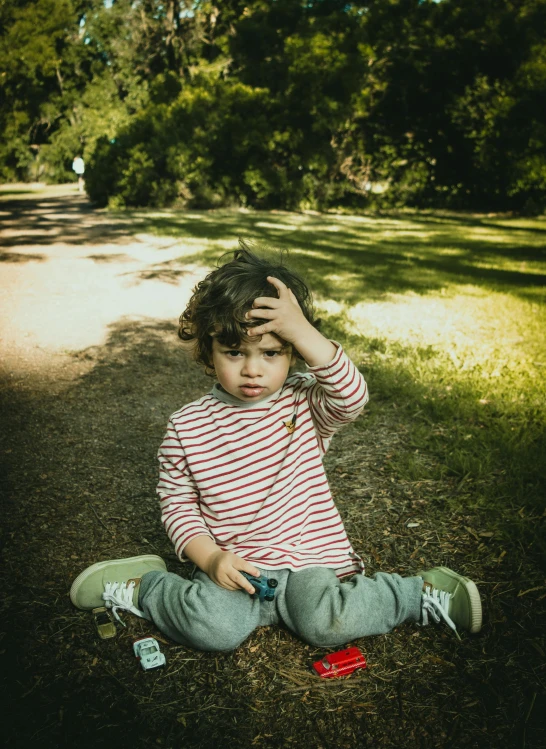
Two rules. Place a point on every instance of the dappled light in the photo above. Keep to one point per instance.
(146, 262)
(87, 277)
(378, 255)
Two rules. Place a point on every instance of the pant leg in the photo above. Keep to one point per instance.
(198, 613)
(325, 611)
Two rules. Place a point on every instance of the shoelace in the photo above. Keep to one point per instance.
(120, 596)
(436, 604)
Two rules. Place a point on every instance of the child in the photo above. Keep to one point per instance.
(243, 488)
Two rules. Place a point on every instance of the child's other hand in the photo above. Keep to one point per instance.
(224, 567)
(283, 314)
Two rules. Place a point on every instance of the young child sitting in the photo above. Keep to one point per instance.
(243, 488)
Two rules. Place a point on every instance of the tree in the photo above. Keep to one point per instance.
(279, 103)
(32, 46)
(448, 125)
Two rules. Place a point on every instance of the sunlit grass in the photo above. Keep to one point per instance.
(464, 371)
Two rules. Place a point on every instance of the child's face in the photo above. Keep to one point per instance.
(254, 369)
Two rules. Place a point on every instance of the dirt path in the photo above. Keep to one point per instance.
(89, 372)
(68, 273)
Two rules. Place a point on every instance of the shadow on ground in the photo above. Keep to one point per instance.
(43, 220)
(374, 256)
(78, 486)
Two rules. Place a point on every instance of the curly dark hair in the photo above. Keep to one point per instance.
(219, 302)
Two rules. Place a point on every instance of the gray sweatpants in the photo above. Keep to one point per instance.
(313, 603)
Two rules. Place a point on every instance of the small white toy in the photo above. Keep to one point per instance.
(148, 653)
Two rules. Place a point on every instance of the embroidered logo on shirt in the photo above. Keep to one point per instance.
(290, 425)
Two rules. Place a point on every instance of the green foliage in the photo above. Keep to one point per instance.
(177, 151)
(31, 49)
(283, 104)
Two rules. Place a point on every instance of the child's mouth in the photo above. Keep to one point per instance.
(251, 390)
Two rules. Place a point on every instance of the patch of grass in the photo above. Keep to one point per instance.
(471, 405)
(354, 258)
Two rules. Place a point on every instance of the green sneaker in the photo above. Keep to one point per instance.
(114, 583)
(452, 598)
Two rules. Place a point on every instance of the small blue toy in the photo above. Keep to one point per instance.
(264, 587)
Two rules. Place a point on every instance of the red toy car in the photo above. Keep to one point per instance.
(342, 663)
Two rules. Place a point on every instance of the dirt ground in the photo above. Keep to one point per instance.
(90, 371)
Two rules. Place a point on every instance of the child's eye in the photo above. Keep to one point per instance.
(271, 354)
(232, 354)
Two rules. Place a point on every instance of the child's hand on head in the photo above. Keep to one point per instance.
(286, 320)
(224, 569)
(283, 314)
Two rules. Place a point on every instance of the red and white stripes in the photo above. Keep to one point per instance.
(255, 484)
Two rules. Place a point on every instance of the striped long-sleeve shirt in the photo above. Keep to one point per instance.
(250, 475)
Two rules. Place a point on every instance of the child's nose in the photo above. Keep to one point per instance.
(251, 366)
